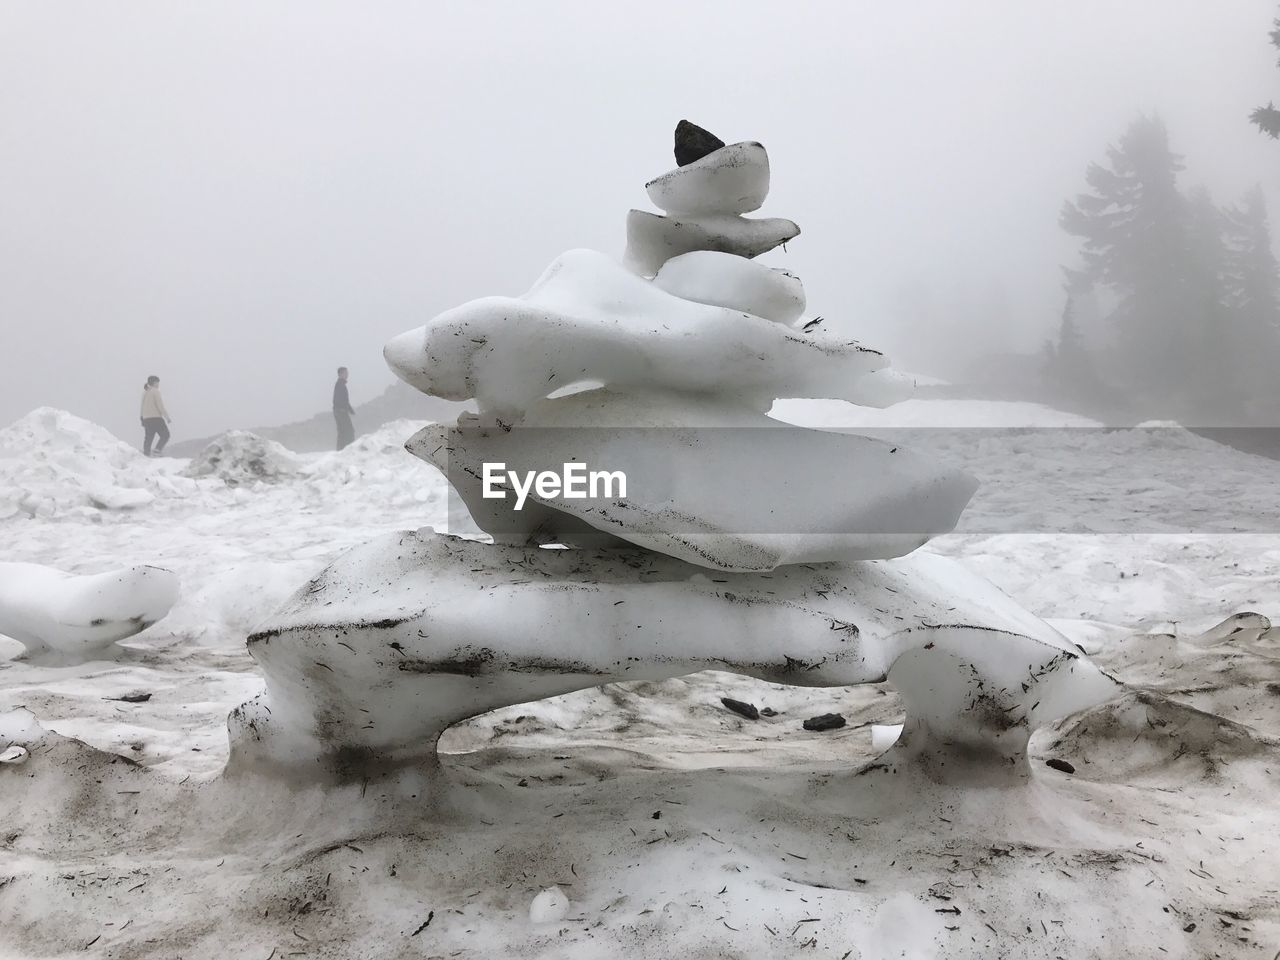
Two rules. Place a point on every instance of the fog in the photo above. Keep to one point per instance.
(240, 197)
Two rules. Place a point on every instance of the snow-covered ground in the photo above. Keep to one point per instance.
(1158, 549)
(241, 536)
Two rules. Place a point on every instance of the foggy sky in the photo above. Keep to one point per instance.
(239, 197)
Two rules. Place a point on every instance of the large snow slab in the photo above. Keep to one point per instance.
(652, 239)
(707, 482)
(588, 318)
(80, 616)
(733, 179)
(399, 638)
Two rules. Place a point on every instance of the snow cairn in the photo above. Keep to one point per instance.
(736, 543)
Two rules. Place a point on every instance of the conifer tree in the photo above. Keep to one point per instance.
(1252, 287)
(1210, 389)
(1134, 230)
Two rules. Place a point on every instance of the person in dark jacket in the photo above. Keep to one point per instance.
(342, 410)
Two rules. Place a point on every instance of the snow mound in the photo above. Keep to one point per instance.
(53, 463)
(387, 441)
(1146, 737)
(238, 457)
(58, 431)
(377, 459)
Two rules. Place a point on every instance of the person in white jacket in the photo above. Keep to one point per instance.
(154, 418)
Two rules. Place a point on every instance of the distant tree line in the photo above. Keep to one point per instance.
(1181, 296)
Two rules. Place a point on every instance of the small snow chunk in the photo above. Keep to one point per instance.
(19, 726)
(14, 754)
(1246, 627)
(741, 708)
(827, 721)
(550, 906)
(43, 608)
(884, 736)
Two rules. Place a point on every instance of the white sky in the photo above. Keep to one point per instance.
(240, 196)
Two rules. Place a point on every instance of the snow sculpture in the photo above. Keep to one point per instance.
(741, 543)
(80, 617)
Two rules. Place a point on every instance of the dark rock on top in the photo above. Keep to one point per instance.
(828, 721)
(747, 710)
(1060, 765)
(694, 143)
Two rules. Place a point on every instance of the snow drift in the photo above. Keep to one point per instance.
(53, 463)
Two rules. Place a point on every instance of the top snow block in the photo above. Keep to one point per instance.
(590, 319)
(733, 179)
(694, 142)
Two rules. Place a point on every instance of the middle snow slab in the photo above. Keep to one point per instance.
(707, 482)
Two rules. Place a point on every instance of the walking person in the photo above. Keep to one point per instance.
(154, 418)
(342, 410)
